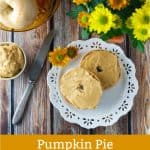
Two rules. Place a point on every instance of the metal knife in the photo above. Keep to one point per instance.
(34, 73)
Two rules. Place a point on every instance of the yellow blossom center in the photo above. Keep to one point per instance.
(71, 52)
(103, 20)
(59, 57)
(146, 19)
(144, 31)
(84, 19)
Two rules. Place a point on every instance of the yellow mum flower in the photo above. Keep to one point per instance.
(141, 18)
(140, 23)
(78, 2)
(118, 4)
(118, 22)
(141, 34)
(101, 19)
(129, 23)
(58, 57)
(147, 1)
(146, 5)
(83, 19)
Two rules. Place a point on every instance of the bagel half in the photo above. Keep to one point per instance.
(17, 14)
(104, 65)
(81, 88)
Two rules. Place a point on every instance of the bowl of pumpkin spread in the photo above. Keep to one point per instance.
(12, 61)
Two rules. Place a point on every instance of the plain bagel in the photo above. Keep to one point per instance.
(18, 14)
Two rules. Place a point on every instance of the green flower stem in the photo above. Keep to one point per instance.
(88, 10)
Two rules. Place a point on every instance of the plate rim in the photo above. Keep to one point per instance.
(122, 113)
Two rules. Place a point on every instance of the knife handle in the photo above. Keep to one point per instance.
(22, 104)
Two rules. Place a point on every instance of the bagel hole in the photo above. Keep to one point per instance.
(9, 8)
(80, 88)
(99, 69)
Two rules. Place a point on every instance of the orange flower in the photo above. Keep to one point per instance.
(72, 51)
(58, 57)
(78, 2)
(118, 4)
(83, 19)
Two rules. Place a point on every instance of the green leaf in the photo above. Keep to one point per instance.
(139, 45)
(111, 33)
(85, 34)
(105, 37)
(73, 13)
(94, 3)
(126, 30)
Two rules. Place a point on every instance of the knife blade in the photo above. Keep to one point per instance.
(40, 58)
(34, 73)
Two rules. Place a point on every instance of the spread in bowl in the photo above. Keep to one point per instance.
(12, 60)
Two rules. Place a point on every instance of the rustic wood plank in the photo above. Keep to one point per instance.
(142, 63)
(68, 31)
(147, 101)
(5, 95)
(4, 107)
(120, 127)
(37, 116)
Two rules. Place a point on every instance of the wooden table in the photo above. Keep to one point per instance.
(41, 117)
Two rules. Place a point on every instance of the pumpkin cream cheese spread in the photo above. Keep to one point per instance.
(81, 88)
(104, 65)
(11, 60)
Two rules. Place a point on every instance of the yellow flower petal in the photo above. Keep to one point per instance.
(141, 34)
(58, 57)
(129, 23)
(101, 19)
(83, 19)
(141, 18)
(118, 22)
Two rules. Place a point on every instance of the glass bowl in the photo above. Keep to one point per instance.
(46, 9)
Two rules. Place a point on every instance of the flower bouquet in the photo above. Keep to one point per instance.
(114, 18)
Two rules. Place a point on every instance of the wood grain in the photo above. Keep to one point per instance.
(5, 95)
(4, 106)
(37, 115)
(68, 31)
(147, 101)
(142, 63)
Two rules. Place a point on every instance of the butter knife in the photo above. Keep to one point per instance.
(34, 73)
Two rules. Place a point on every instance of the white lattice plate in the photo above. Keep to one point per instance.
(115, 102)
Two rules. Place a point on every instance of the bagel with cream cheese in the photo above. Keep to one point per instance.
(81, 88)
(105, 65)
